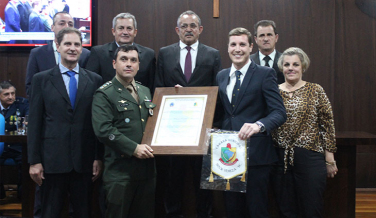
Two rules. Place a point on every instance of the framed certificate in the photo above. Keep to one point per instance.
(180, 119)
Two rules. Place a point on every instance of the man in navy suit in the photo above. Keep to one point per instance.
(249, 102)
(124, 29)
(36, 23)
(12, 18)
(46, 57)
(63, 152)
(266, 38)
(187, 63)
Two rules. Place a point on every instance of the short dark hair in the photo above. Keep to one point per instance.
(67, 30)
(61, 12)
(125, 48)
(241, 31)
(6, 85)
(265, 23)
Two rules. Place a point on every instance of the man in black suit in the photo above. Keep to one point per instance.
(266, 37)
(186, 63)
(124, 29)
(250, 103)
(46, 57)
(63, 151)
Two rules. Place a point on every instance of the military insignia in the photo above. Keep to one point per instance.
(105, 85)
(122, 101)
(151, 112)
(125, 108)
(123, 105)
(127, 120)
(146, 98)
(140, 106)
(111, 137)
(119, 89)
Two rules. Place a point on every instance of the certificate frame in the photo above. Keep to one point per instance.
(160, 94)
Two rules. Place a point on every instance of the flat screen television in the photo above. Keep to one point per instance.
(28, 22)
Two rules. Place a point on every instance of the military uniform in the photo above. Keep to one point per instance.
(119, 123)
(13, 150)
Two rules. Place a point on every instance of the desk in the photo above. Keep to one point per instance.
(340, 191)
(28, 185)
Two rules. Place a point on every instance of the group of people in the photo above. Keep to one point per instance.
(290, 126)
(31, 16)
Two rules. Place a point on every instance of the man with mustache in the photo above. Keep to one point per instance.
(124, 29)
(266, 37)
(186, 63)
(120, 111)
(63, 152)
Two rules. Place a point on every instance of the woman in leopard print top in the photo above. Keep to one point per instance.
(306, 141)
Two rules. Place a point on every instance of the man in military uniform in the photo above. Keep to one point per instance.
(10, 106)
(120, 110)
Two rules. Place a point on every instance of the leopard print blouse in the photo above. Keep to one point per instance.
(309, 123)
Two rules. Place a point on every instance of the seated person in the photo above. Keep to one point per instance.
(10, 105)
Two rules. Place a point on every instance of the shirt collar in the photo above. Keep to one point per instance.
(271, 55)
(182, 45)
(119, 45)
(63, 69)
(243, 70)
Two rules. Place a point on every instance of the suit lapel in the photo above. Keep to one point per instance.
(11, 111)
(257, 58)
(223, 89)
(199, 59)
(140, 51)
(50, 58)
(82, 82)
(275, 63)
(112, 48)
(58, 82)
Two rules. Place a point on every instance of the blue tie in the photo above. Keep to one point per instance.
(72, 87)
(235, 92)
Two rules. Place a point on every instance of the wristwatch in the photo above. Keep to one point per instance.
(262, 127)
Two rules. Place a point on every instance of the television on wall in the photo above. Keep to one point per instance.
(28, 22)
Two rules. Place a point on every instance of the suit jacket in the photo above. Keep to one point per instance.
(22, 104)
(24, 11)
(280, 77)
(12, 18)
(36, 25)
(258, 100)
(43, 58)
(101, 57)
(119, 122)
(170, 73)
(60, 138)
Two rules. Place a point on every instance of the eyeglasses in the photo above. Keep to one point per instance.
(184, 26)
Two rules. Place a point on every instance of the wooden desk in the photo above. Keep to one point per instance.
(340, 191)
(28, 186)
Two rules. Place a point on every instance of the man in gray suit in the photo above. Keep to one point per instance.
(124, 29)
(266, 37)
(186, 63)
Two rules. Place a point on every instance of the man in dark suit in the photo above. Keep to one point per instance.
(186, 63)
(46, 57)
(63, 151)
(266, 37)
(24, 9)
(249, 102)
(36, 23)
(124, 29)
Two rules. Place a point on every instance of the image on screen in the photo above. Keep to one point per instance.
(28, 22)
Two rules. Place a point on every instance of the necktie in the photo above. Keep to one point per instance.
(188, 64)
(133, 92)
(72, 87)
(267, 59)
(235, 92)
